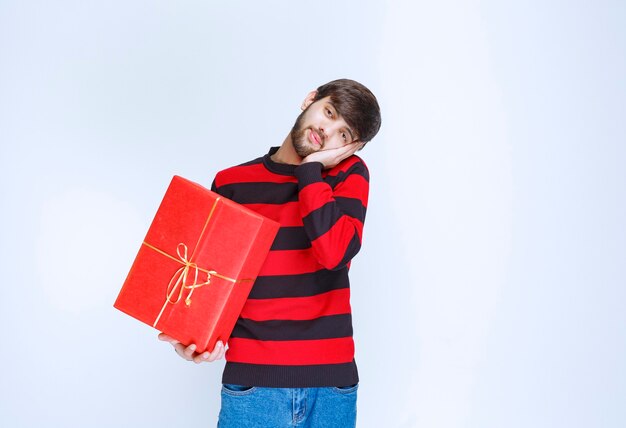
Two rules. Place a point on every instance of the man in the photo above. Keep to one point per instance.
(290, 358)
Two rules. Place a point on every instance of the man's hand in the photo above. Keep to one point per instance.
(331, 157)
(189, 352)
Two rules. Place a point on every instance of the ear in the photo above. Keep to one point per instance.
(308, 100)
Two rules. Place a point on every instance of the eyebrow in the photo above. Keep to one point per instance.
(347, 126)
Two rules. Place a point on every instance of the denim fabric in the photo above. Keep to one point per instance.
(257, 407)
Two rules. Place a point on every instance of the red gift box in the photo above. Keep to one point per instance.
(196, 266)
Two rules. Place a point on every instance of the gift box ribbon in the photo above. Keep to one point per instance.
(179, 281)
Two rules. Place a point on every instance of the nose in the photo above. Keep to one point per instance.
(328, 130)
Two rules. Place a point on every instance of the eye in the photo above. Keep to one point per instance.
(329, 113)
(344, 136)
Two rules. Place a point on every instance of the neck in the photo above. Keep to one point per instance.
(286, 153)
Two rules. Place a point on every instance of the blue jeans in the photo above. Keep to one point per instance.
(259, 407)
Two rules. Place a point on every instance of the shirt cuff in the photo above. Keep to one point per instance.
(308, 173)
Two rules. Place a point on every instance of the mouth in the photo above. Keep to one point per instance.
(315, 138)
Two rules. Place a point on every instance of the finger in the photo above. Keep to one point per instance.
(215, 355)
(338, 150)
(180, 350)
(218, 352)
(164, 337)
(347, 150)
(218, 345)
(189, 350)
(199, 358)
(221, 354)
(355, 146)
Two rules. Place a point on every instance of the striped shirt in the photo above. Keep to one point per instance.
(295, 329)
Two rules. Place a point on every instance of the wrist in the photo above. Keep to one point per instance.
(308, 172)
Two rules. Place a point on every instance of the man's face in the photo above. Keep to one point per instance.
(320, 127)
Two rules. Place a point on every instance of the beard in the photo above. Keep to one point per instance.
(299, 137)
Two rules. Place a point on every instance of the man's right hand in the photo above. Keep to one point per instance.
(189, 352)
(331, 157)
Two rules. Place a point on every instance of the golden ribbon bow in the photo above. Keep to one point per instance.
(179, 280)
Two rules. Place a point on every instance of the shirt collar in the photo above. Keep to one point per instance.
(278, 168)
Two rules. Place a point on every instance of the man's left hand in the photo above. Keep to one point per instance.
(331, 157)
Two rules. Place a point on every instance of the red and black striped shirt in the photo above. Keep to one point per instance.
(295, 329)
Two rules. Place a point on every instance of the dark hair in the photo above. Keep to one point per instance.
(356, 104)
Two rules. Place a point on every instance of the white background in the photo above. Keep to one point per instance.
(490, 291)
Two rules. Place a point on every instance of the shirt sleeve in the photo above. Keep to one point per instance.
(215, 189)
(333, 210)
